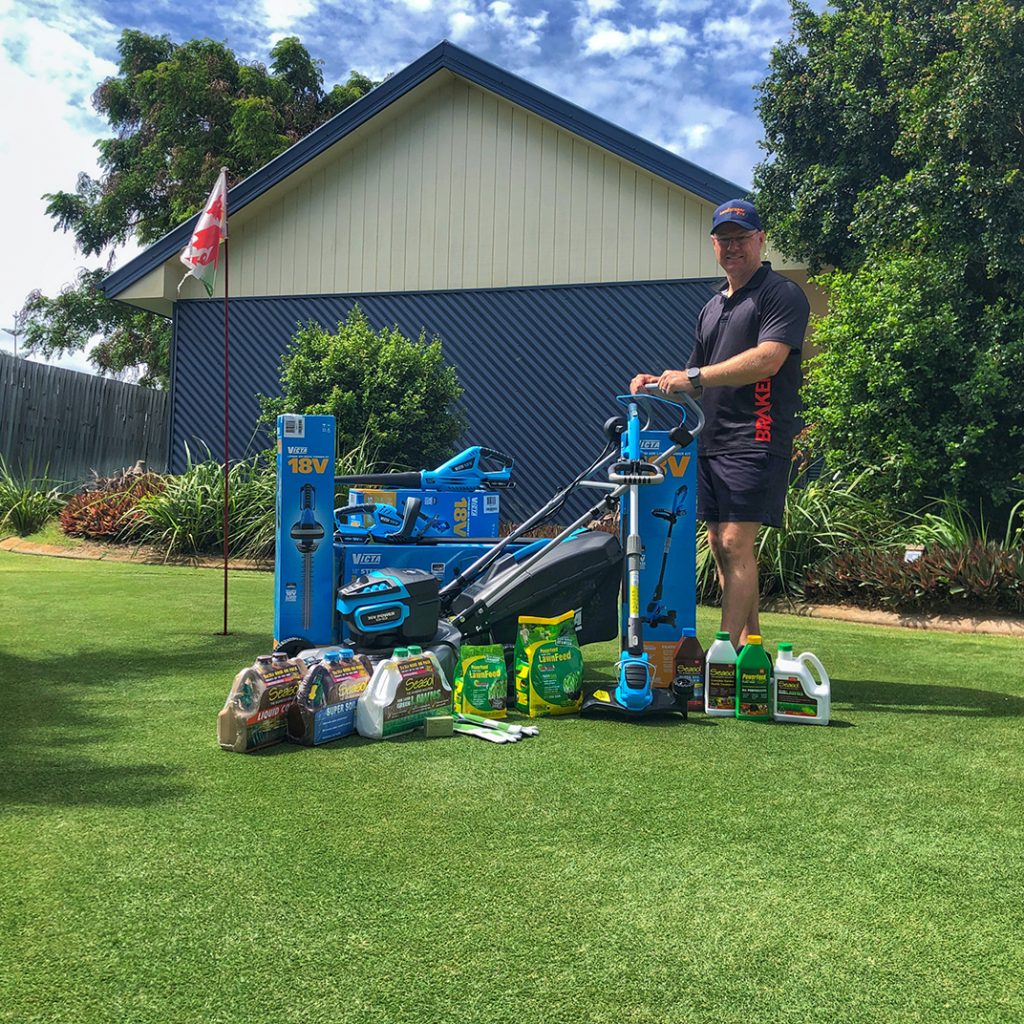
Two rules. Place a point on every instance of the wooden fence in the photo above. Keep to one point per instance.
(62, 424)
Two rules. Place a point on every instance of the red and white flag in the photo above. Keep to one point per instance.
(202, 253)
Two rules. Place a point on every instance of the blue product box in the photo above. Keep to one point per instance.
(304, 563)
(452, 514)
(668, 574)
(443, 560)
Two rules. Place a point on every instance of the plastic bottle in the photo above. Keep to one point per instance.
(720, 678)
(688, 666)
(754, 682)
(253, 716)
(404, 690)
(799, 697)
(325, 706)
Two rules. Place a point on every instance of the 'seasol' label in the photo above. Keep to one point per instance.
(791, 699)
(722, 686)
(420, 693)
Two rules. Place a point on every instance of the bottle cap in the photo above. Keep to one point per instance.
(279, 656)
(785, 647)
(413, 649)
(753, 638)
(332, 656)
(722, 635)
(263, 659)
(401, 652)
(347, 653)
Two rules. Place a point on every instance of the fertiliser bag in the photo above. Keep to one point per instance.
(548, 666)
(481, 682)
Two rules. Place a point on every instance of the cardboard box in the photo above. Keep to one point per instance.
(443, 560)
(454, 514)
(304, 578)
(670, 504)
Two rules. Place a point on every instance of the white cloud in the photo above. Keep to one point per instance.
(47, 140)
(281, 16)
(460, 25)
(606, 38)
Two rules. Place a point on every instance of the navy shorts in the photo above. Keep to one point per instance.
(742, 487)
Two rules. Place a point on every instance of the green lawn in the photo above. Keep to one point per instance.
(713, 871)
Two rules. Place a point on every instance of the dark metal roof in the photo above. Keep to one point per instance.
(488, 76)
(540, 366)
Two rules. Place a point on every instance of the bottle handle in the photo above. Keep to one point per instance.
(807, 656)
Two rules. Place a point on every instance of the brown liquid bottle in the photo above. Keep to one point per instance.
(688, 667)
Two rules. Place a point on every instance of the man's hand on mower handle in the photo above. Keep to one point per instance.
(640, 381)
(671, 381)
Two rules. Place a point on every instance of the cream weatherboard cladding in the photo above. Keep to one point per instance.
(463, 189)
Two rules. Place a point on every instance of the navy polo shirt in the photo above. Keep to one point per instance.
(761, 416)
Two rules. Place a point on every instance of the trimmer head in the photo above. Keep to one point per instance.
(604, 700)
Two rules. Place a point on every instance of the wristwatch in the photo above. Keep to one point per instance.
(693, 376)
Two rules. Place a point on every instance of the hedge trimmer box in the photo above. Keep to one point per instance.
(304, 561)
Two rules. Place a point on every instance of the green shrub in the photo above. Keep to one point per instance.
(187, 516)
(26, 504)
(378, 385)
(917, 378)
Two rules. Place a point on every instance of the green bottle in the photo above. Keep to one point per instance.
(754, 682)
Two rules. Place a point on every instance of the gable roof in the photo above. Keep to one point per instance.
(444, 56)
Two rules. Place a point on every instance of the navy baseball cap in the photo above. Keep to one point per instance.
(736, 211)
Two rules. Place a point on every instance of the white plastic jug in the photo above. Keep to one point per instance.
(799, 697)
(720, 678)
(404, 690)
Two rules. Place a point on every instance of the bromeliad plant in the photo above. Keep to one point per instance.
(107, 509)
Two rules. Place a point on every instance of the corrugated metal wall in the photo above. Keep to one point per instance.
(463, 189)
(540, 366)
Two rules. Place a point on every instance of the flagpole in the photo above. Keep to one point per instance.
(226, 475)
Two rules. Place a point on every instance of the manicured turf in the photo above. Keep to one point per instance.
(712, 871)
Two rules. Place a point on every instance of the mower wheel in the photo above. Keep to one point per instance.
(293, 644)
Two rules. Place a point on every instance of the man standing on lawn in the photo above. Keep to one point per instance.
(745, 369)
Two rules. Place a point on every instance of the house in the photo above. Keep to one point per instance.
(554, 253)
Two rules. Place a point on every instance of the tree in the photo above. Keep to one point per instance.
(178, 114)
(386, 392)
(895, 152)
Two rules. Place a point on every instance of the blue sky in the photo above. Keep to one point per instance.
(677, 72)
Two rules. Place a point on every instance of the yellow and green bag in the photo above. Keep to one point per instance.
(481, 682)
(548, 666)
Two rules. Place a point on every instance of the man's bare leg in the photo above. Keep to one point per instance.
(732, 545)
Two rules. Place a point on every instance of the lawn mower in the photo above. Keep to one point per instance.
(578, 569)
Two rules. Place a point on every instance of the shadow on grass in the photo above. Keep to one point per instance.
(65, 734)
(925, 699)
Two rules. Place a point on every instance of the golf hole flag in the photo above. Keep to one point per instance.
(201, 254)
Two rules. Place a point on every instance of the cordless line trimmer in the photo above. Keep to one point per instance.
(633, 693)
(656, 611)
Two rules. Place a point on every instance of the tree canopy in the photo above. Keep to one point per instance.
(895, 147)
(178, 113)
